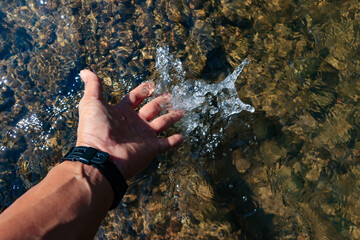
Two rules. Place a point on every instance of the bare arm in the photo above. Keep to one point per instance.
(73, 199)
(69, 203)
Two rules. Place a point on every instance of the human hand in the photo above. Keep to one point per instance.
(129, 137)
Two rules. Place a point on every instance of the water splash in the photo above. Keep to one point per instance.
(198, 99)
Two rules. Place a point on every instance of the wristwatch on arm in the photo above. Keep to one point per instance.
(100, 160)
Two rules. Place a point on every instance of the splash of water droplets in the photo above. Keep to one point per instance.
(198, 99)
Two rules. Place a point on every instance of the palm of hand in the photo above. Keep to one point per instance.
(127, 135)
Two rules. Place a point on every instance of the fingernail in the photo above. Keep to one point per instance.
(151, 84)
(165, 105)
(177, 112)
(82, 75)
(180, 112)
(167, 96)
(149, 88)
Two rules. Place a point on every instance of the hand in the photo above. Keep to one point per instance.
(129, 137)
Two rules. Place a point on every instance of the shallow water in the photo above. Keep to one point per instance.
(288, 170)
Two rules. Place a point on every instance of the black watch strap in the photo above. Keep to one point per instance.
(92, 156)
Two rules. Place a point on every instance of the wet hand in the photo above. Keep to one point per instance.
(129, 136)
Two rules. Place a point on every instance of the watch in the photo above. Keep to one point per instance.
(100, 160)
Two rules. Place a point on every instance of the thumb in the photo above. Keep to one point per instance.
(93, 87)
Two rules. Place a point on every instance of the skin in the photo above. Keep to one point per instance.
(72, 200)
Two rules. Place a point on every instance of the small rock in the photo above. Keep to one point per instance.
(313, 175)
(272, 152)
(296, 168)
(130, 198)
(52, 142)
(175, 225)
(328, 209)
(242, 165)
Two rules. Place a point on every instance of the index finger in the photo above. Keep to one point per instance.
(137, 95)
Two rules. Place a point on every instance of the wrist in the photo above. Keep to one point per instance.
(100, 160)
(88, 177)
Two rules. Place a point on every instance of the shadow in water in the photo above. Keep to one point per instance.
(233, 197)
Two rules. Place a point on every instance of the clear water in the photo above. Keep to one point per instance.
(288, 170)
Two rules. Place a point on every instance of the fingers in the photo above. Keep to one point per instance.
(136, 96)
(170, 142)
(93, 87)
(165, 121)
(154, 107)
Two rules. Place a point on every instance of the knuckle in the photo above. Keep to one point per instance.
(158, 105)
(83, 102)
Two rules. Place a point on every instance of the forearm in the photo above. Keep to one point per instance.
(69, 203)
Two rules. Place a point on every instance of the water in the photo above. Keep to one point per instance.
(288, 170)
(195, 97)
